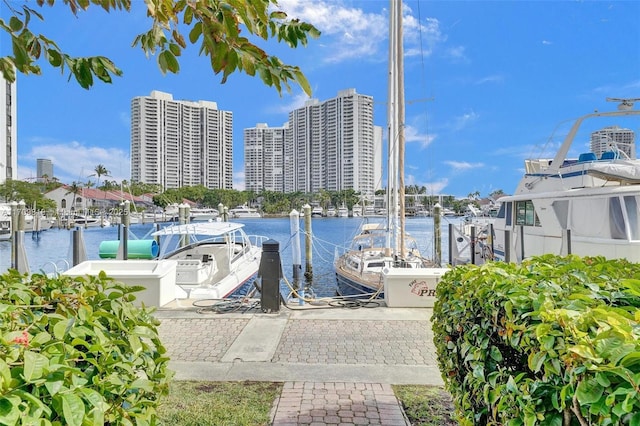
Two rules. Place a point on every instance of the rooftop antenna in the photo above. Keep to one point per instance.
(625, 104)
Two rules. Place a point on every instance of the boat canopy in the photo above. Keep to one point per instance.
(620, 170)
(200, 228)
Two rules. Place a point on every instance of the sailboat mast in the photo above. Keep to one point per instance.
(401, 135)
(392, 131)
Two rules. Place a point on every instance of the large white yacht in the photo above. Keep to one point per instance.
(586, 205)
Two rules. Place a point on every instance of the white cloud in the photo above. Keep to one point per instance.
(496, 78)
(437, 187)
(238, 180)
(464, 120)
(349, 32)
(75, 161)
(294, 102)
(461, 166)
(412, 135)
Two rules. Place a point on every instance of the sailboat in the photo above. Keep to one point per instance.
(383, 260)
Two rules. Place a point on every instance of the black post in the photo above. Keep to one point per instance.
(270, 272)
(521, 243)
(473, 245)
(507, 246)
(452, 241)
(76, 247)
(125, 242)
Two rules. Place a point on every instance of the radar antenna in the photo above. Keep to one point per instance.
(625, 103)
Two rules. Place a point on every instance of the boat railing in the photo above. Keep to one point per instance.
(257, 240)
(58, 267)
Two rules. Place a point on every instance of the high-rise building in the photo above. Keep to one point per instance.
(264, 158)
(180, 143)
(44, 169)
(8, 131)
(332, 145)
(612, 137)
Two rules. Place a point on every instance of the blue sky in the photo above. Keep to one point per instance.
(486, 82)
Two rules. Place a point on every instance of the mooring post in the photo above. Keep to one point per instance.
(294, 222)
(437, 234)
(308, 272)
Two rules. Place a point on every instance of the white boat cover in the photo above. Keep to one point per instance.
(199, 228)
(624, 171)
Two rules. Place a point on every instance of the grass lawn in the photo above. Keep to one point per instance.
(194, 403)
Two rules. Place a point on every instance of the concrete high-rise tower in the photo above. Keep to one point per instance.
(181, 143)
(333, 145)
(44, 167)
(264, 158)
(613, 137)
(8, 131)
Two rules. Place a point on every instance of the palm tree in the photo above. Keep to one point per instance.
(100, 170)
(75, 188)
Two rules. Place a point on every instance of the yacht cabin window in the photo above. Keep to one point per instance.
(526, 214)
(633, 216)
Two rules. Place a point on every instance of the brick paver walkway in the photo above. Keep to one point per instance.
(315, 404)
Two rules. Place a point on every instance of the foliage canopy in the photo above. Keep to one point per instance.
(215, 25)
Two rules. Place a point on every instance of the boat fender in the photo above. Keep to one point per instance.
(136, 249)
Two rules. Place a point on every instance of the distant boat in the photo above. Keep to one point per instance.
(86, 221)
(202, 214)
(343, 211)
(331, 212)
(356, 210)
(317, 211)
(244, 212)
(5, 222)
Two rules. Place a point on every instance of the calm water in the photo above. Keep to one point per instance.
(328, 234)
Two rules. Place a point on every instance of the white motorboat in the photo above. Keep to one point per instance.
(383, 258)
(343, 211)
(38, 222)
(332, 212)
(204, 260)
(589, 205)
(317, 211)
(244, 212)
(86, 221)
(5, 222)
(203, 214)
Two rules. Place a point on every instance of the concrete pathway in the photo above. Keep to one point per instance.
(337, 364)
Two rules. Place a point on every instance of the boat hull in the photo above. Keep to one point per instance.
(348, 287)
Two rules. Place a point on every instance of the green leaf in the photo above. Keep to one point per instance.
(5, 375)
(73, 409)
(9, 411)
(15, 24)
(303, 82)
(589, 391)
(168, 62)
(496, 355)
(62, 328)
(34, 365)
(195, 32)
(54, 386)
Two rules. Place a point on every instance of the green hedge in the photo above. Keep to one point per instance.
(75, 351)
(554, 341)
